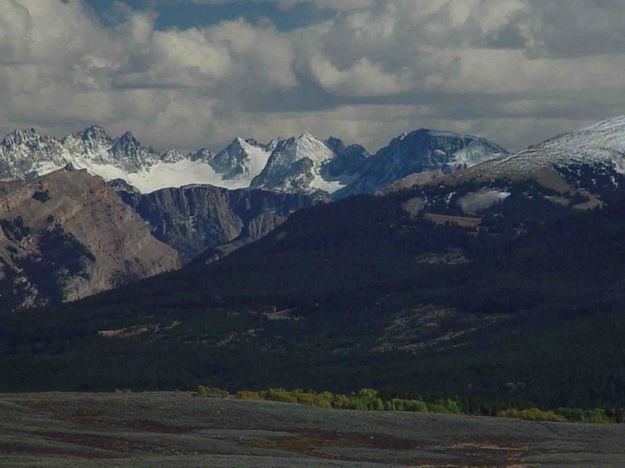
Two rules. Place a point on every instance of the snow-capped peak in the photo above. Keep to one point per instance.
(20, 136)
(24, 151)
(602, 143)
(418, 151)
(171, 156)
(126, 141)
(295, 165)
(92, 143)
(203, 154)
(94, 132)
(307, 146)
(241, 159)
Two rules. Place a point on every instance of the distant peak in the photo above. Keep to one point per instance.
(254, 142)
(21, 135)
(335, 144)
(94, 128)
(23, 132)
(429, 133)
(240, 142)
(94, 132)
(203, 154)
(127, 139)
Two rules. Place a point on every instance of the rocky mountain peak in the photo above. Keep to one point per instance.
(130, 155)
(171, 156)
(335, 144)
(240, 159)
(295, 165)
(27, 136)
(304, 163)
(127, 141)
(94, 132)
(203, 154)
(418, 151)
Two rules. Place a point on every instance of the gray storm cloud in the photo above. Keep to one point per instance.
(515, 71)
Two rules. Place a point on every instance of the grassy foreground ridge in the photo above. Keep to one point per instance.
(372, 400)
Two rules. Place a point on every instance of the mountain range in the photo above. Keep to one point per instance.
(301, 164)
(192, 203)
(451, 178)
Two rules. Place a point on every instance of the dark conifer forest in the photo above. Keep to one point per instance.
(527, 308)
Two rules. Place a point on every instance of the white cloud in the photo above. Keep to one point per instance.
(362, 79)
(337, 5)
(375, 69)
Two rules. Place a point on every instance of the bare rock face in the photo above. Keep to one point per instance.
(195, 218)
(68, 235)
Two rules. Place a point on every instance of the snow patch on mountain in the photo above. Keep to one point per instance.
(475, 202)
(296, 165)
(25, 154)
(600, 144)
(164, 175)
(242, 160)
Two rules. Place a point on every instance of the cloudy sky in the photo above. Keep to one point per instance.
(196, 73)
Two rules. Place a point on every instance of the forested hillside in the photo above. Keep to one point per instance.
(527, 305)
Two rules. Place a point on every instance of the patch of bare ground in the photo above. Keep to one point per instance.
(308, 441)
(323, 444)
(451, 257)
(489, 452)
(462, 221)
(116, 446)
(280, 315)
(92, 417)
(429, 326)
(18, 448)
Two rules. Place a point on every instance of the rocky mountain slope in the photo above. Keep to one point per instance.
(67, 235)
(241, 160)
(592, 158)
(195, 218)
